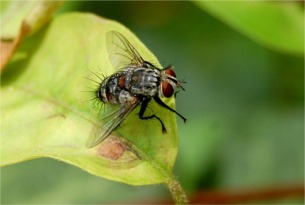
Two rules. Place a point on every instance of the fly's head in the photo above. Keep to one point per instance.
(170, 85)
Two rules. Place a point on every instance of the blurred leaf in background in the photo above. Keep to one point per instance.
(277, 25)
(20, 19)
(244, 102)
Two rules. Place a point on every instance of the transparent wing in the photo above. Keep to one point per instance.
(121, 52)
(110, 123)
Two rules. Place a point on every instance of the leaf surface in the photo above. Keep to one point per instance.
(277, 25)
(44, 114)
(20, 19)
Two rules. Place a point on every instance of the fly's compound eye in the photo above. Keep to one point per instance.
(167, 89)
(170, 72)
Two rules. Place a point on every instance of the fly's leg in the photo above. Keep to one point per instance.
(142, 110)
(160, 102)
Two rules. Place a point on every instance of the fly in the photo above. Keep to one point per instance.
(136, 82)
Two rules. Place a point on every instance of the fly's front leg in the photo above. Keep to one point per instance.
(142, 110)
(160, 102)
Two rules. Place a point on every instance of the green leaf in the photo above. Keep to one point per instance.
(12, 15)
(33, 14)
(21, 19)
(277, 25)
(44, 114)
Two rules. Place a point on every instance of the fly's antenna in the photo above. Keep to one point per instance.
(180, 83)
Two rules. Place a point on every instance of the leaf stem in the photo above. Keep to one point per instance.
(176, 190)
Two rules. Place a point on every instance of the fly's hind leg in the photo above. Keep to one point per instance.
(142, 110)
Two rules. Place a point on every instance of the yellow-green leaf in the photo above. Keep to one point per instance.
(20, 19)
(44, 114)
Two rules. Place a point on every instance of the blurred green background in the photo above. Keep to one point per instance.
(244, 102)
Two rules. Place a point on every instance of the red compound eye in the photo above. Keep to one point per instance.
(170, 72)
(167, 89)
